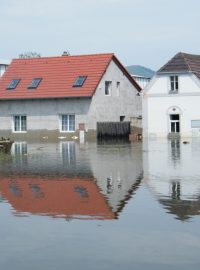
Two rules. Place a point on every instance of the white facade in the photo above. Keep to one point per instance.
(3, 65)
(167, 112)
(141, 81)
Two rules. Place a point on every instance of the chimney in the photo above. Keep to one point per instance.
(66, 53)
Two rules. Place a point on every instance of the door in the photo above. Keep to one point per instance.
(174, 123)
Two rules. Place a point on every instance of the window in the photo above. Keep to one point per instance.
(79, 81)
(68, 122)
(20, 124)
(195, 123)
(68, 153)
(13, 84)
(20, 148)
(35, 82)
(108, 88)
(118, 89)
(174, 83)
(174, 123)
(121, 118)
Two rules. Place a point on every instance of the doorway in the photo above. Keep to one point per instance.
(174, 123)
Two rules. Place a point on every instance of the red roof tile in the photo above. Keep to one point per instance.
(58, 76)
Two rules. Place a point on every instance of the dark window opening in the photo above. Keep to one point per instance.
(174, 116)
(174, 123)
(13, 84)
(35, 82)
(121, 118)
(79, 81)
(108, 88)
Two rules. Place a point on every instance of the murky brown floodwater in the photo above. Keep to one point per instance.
(100, 206)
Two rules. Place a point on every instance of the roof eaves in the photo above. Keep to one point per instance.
(38, 98)
(173, 72)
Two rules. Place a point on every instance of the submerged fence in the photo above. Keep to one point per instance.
(113, 129)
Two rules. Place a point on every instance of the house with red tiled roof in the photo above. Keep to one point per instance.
(59, 96)
(171, 100)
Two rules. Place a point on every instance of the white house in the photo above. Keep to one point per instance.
(171, 100)
(3, 66)
(140, 74)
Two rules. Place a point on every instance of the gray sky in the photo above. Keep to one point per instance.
(145, 32)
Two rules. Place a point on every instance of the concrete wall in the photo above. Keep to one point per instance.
(124, 102)
(43, 116)
(158, 103)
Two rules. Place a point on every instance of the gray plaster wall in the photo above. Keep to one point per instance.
(109, 108)
(43, 116)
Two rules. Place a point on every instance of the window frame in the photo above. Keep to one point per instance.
(10, 87)
(38, 83)
(68, 123)
(175, 122)
(195, 123)
(118, 84)
(173, 84)
(20, 124)
(108, 87)
(76, 84)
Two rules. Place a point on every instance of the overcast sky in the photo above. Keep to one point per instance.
(145, 32)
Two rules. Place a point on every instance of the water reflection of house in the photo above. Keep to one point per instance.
(69, 180)
(118, 170)
(57, 197)
(171, 173)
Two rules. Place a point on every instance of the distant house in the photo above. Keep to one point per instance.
(3, 66)
(140, 74)
(171, 100)
(59, 96)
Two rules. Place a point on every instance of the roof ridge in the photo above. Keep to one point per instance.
(64, 56)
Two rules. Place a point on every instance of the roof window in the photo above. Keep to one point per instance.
(80, 81)
(13, 84)
(35, 82)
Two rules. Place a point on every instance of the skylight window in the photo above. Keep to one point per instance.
(79, 81)
(35, 82)
(13, 84)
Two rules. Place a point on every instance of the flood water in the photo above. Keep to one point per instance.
(114, 205)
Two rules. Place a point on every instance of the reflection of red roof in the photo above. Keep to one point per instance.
(58, 76)
(61, 197)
